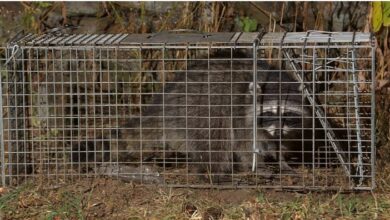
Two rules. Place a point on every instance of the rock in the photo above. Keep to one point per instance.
(156, 24)
(338, 19)
(54, 19)
(162, 7)
(89, 25)
(10, 20)
(155, 6)
(75, 9)
(344, 16)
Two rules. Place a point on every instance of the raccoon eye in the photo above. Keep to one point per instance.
(251, 89)
(265, 114)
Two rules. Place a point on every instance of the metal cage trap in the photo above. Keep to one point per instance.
(191, 109)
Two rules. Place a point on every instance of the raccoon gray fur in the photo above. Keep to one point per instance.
(212, 127)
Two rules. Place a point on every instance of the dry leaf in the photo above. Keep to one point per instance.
(382, 83)
(3, 190)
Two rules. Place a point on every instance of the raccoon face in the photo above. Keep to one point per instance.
(280, 114)
(280, 125)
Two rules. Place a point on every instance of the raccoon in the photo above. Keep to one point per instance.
(284, 118)
(209, 118)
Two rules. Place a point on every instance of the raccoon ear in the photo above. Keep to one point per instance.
(251, 89)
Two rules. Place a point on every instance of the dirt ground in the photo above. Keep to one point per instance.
(105, 198)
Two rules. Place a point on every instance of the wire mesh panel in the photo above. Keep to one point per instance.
(180, 109)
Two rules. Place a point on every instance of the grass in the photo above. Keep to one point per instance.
(10, 196)
(69, 207)
(111, 199)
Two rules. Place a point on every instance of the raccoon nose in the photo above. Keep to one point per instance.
(286, 129)
(271, 129)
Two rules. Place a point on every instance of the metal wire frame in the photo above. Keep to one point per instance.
(72, 106)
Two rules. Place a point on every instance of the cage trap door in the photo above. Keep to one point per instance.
(336, 74)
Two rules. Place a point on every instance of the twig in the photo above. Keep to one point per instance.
(220, 18)
(282, 14)
(64, 12)
(26, 6)
(45, 14)
(106, 8)
(272, 18)
(262, 10)
(305, 15)
(367, 27)
(296, 16)
(376, 205)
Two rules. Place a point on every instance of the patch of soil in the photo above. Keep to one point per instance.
(105, 198)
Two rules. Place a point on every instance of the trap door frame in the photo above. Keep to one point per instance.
(287, 42)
